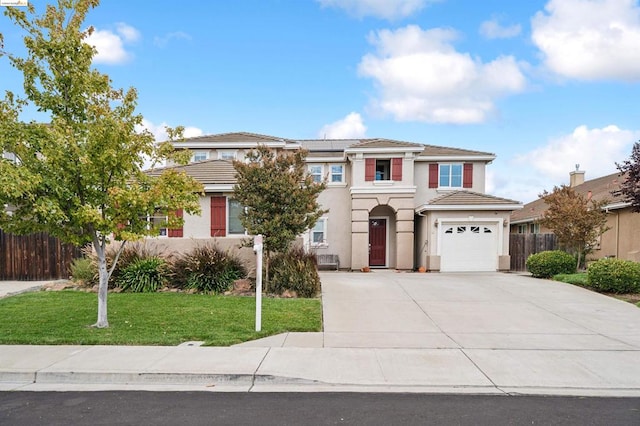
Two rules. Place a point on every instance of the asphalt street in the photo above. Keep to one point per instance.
(206, 408)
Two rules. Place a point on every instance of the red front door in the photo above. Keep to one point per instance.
(377, 242)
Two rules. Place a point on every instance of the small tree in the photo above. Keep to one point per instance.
(280, 197)
(630, 187)
(79, 177)
(576, 220)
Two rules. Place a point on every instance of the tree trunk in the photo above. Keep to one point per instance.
(103, 285)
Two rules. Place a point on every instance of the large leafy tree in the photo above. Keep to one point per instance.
(630, 187)
(576, 220)
(279, 195)
(79, 177)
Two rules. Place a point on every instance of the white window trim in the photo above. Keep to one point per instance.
(315, 174)
(166, 228)
(229, 234)
(448, 188)
(324, 242)
(199, 151)
(233, 152)
(341, 181)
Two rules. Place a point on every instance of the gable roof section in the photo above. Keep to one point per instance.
(600, 189)
(207, 172)
(469, 200)
(235, 137)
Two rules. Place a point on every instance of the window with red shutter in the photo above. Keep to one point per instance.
(467, 175)
(177, 232)
(218, 216)
(433, 175)
(396, 169)
(369, 169)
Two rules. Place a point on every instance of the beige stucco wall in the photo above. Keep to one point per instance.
(622, 240)
(424, 194)
(337, 200)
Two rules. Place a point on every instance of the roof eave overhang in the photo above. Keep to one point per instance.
(467, 207)
(219, 187)
(385, 150)
(436, 158)
(234, 145)
(617, 206)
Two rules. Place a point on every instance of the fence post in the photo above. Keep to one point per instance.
(257, 247)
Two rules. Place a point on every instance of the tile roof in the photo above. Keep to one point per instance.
(207, 172)
(600, 189)
(235, 137)
(384, 143)
(434, 150)
(469, 198)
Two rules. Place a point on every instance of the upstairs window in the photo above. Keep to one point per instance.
(316, 172)
(450, 176)
(200, 156)
(383, 170)
(227, 155)
(337, 173)
(389, 169)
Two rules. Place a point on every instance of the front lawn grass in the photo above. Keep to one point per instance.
(581, 279)
(64, 317)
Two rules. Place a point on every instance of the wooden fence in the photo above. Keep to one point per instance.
(523, 245)
(35, 257)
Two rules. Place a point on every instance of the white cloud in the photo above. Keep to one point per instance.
(160, 133)
(493, 29)
(165, 39)
(590, 40)
(350, 127)
(386, 9)
(595, 150)
(421, 77)
(127, 32)
(110, 45)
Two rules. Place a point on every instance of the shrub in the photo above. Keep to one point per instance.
(549, 263)
(132, 252)
(208, 269)
(614, 276)
(83, 271)
(295, 271)
(144, 275)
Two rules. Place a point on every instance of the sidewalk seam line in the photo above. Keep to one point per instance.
(255, 372)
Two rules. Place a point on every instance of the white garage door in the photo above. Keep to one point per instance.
(469, 247)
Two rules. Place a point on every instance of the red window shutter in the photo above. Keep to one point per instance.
(177, 232)
(467, 175)
(218, 216)
(433, 175)
(369, 169)
(396, 169)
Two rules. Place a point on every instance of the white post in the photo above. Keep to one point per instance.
(257, 247)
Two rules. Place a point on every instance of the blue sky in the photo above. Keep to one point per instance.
(544, 85)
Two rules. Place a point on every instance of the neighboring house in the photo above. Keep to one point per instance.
(622, 240)
(391, 204)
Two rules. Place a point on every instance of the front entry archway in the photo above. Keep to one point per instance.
(377, 242)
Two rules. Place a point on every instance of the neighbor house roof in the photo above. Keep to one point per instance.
(471, 201)
(207, 172)
(248, 140)
(600, 189)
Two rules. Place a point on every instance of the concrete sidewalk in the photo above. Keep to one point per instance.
(386, 332)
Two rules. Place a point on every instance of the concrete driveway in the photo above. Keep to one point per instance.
(386, 309)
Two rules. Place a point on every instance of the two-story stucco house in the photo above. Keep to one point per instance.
(391, 204)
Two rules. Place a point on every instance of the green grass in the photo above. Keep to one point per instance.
(576, 279)
(64, 317)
